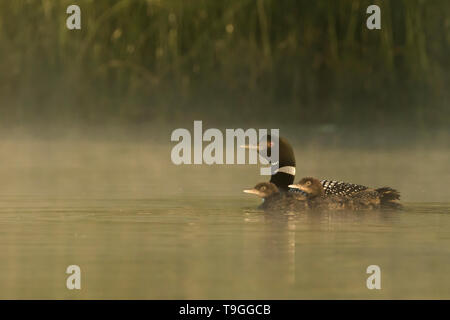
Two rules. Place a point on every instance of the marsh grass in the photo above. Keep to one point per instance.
(299, 61)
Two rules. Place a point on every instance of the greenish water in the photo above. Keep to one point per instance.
(140, 227)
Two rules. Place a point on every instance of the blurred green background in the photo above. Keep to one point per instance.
(300, 62)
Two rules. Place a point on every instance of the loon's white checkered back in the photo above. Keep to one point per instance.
(341, 188)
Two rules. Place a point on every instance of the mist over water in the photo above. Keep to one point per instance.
(141, 227)
(128, 163)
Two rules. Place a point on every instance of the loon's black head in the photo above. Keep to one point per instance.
(283, 172)
(263, 190)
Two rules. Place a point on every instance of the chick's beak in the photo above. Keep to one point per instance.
(295, 186)
(252, 191)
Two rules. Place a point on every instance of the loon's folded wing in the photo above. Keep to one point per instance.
(340, 188)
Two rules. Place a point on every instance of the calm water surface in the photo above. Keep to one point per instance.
(141, 230)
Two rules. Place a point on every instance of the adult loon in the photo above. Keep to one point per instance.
(285, 174)
(381, 198)
(282, 175)
(274, 200)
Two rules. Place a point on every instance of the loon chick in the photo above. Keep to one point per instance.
(274, 200)
(384, 198)
(283, 175)
(318, 199)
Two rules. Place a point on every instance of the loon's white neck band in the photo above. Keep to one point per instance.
(286, 169)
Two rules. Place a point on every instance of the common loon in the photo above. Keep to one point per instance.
(381, 198)
(285, 174)
(274, 200)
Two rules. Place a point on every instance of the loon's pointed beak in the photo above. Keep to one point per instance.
(249, 146)
(295, 186)
(252, 191)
